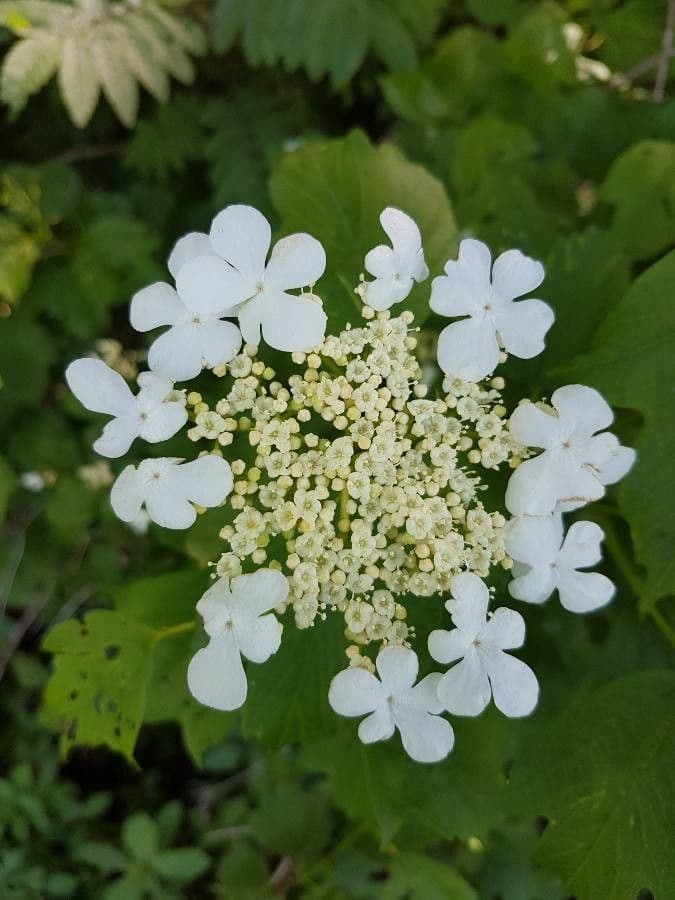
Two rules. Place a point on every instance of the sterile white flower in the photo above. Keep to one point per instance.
(395, 268)
(155, 414)
(470, 349)
(577, 462)
(392, 702)
(239, 622)
(169, 487)
(479, 642)
(240, 236)
(544, 562)
(207, 289)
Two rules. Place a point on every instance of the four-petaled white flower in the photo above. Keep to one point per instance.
(239, 622)
(479, 642)
(577, 462)
(155, 414)
(240, 236)
(470, 349)
(207, 289)
(169, 487)
(544, 562)
(393, 702)
(395, 268)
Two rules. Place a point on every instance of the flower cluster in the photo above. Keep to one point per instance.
(349, 488)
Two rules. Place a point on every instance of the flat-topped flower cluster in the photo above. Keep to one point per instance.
(347, 488)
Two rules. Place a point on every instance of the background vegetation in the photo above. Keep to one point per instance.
(546, 126)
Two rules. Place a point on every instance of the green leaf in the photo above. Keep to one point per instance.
(486, 142)
(78, 80)
(181, 864)
(70, 508)
(600, 772)
(641, 188)
(24, 347)
(96, 693)
(161, 601)
(104, 857)
(380, 785)
(164, 144)
(292, 820)
(537, 51)
(336, 191)
(631, 362)
(465, 71)
(19, 251)
(414, 876)
(7, 483)
(140, 836)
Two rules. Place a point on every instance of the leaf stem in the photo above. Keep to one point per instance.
(633, 577)
(172, 630)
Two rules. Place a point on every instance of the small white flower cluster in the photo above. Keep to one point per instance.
(350, 490)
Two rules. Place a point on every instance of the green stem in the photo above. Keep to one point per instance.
(172, 630)
(633, 577)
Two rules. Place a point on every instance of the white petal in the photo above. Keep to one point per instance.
(515, 689)
(126, 498)
(99, 388)
(575, 485)
(355, 691)
(250, 319)
(384, 292)
(426, 738)
(468, 349)
(531, 488)
(378, 726)
(582, 592)
(168, 506)
(163, 421)
(533, 426)
(581, 547)
(471, 599)
(259, 637)
(505, 630)
(296, 261)
(402, 231)
(117, 436)
(177, 352)
(208, 286)
(215, 600)
(534, 540)
(617, 466)
(583, 410)
(192, 244)
(464, 689)
(219, 342)
(260, 591)
(466, 284)
(216, 675)
(447, 646)
(522, 326)
(293, 323)
(380, 262)
(534, 586)
(425, 694)
(514, 274)
(155, 305)
(154, 387)
(397, 667)
(241, 235)
(206, 481)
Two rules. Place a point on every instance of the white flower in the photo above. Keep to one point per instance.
(207, 289)
(154, 414)
(576, 462)
(544, 562)
(241, 236)
(485, 670)
(395, 268)
(470, 349)
(393, 702)
(238, 621)
(169, 488)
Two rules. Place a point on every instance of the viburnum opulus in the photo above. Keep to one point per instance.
(350, 489)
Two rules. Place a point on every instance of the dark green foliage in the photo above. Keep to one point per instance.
(524, 123)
